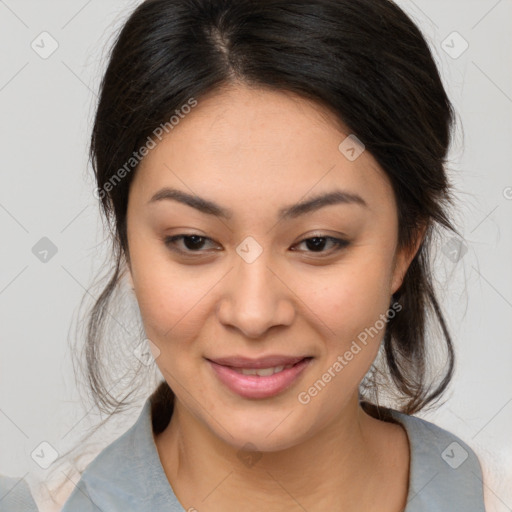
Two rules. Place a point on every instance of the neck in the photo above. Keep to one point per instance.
(339, 462)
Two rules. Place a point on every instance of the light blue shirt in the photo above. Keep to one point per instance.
(127, 476)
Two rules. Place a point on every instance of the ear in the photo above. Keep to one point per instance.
(404, 258)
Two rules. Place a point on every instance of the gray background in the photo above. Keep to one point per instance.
(46, 191)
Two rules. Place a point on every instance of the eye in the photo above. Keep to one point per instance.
(196, 243)
(318, 243)
(193, 243)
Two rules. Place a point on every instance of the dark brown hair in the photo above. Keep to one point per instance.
(366, 61)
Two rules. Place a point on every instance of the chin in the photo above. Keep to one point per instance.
(264, 432)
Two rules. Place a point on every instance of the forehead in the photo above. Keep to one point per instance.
(253, 144)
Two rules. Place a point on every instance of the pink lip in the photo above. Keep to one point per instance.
(254, 386)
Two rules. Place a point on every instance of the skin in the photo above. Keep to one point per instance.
(255, 151)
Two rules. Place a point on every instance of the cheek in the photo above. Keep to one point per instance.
(349, 307)
(348, 299)
(170, 306)
(169, 295)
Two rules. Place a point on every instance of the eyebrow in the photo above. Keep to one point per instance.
(289, 212)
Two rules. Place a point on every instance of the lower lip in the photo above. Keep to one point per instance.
(254, 386)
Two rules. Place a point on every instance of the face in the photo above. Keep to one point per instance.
(229, 269)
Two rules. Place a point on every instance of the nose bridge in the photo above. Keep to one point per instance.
(253, 281)
(255, 297)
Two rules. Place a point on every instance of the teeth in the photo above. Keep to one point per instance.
(262, 372)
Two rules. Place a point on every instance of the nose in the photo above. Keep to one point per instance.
(256, 298)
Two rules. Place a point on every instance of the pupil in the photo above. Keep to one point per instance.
(317, 242)
(193, 242)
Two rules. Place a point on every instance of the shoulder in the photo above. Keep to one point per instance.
(15, 495)
(108, 477)
(126, 475)
(445, 473)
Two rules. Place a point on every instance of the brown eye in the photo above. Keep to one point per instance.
(318, 243)
(192, 243)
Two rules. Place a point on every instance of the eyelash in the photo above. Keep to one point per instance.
(170, 242)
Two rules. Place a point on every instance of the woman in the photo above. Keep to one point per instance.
(273, 172)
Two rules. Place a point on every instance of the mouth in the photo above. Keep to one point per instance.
(259, 378)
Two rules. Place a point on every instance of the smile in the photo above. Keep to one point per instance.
(261, 382)
(263, 372)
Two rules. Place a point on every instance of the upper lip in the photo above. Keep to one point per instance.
(262, 362)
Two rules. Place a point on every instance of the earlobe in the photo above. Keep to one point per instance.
(399, 273)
